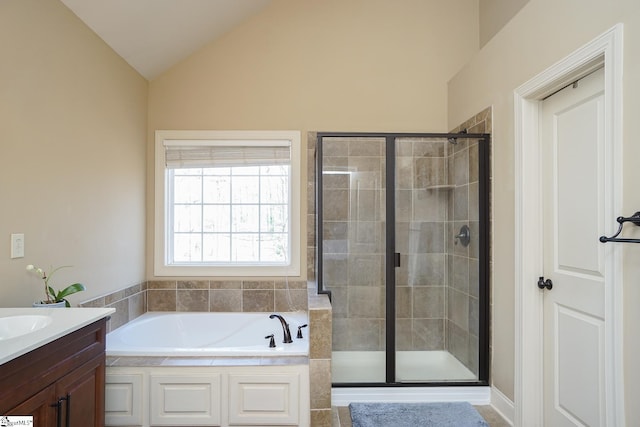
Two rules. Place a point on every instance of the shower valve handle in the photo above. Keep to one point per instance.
(464, 236)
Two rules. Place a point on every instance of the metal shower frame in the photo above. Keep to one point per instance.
(484, 140)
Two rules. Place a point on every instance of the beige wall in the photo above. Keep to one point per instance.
(494, 14)
(364, 65)
(72, 134)
(515, 55)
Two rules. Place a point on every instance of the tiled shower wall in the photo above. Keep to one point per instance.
(354, 241)
(422, 192)
(463, 262)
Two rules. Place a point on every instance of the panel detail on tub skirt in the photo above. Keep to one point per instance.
(264, 400)
(185, 400)
(123, 400)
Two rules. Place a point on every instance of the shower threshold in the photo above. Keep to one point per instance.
(411, 366)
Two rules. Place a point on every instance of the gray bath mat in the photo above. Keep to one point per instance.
(445, 414)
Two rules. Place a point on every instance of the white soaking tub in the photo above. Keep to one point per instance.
(188, 369)
(207, 334)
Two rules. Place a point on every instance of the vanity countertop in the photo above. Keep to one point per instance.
(63, 321)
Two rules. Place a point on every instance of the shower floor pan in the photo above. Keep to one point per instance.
(411, 366)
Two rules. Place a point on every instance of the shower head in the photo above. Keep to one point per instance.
(453, 140)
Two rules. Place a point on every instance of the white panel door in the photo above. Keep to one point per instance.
(572, 132)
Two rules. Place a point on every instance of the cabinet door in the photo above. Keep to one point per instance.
(264, 400)
(185, 400)
(83, 390)
(41, 406)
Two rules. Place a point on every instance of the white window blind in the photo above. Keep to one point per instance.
(181, 154)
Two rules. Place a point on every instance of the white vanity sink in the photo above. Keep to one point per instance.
(15, 326)
(23, 329)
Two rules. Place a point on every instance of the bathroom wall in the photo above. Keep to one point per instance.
(520, 51)
(329, 65)
(494, 14)
(72, 133)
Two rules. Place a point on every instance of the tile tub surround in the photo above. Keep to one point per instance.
(129, 302)
(320, 335)
(203, 295)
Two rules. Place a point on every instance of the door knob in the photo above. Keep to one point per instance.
(545, 283)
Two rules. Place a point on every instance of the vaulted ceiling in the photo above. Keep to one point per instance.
(153, 35)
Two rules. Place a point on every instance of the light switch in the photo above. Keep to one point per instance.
(17, 245)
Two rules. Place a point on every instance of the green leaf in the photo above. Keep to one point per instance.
(71, 289)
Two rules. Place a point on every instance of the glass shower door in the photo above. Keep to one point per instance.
(436, 284)
(402, 239)
(353, 251)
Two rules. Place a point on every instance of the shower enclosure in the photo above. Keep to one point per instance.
(402, 246)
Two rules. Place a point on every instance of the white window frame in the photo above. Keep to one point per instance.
(162, 268)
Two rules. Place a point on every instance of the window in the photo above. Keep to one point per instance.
(227, 203)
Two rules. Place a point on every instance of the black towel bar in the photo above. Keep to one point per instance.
(634, 219)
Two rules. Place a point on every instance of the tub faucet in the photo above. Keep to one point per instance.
(285, 328)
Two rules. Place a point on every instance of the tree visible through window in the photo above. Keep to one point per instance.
(230, 214)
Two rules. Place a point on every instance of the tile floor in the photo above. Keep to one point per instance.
(341, 417)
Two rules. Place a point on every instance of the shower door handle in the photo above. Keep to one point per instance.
(396, 259)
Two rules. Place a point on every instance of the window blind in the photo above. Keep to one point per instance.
(215, 154)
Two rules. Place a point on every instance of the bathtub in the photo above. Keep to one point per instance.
(191, 369)
(185, 334)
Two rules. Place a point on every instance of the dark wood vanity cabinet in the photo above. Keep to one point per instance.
(60, 383)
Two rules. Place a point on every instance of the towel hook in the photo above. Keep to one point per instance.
(634, 219)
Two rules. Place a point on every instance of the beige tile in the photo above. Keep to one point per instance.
(121, 316)
(336, 205)
(429, 171)
(97, 302)
(491, 416)
(132, 290)
(321, 418)
(320, 322)
(161, 300)
(137, 305)
(320, 383)
(428, 334)
(193, 284)
(258, 284)
(162, 284)
(258, 300)
(225, 300)
(345, 416)
(290, 300)
(192, 299)
(229, 284)
(113, 297)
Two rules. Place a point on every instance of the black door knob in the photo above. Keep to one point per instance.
(542, 284)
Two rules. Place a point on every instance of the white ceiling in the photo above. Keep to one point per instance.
(153, 35)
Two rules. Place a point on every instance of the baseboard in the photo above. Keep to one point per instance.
(342, 396)
(503, 405)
